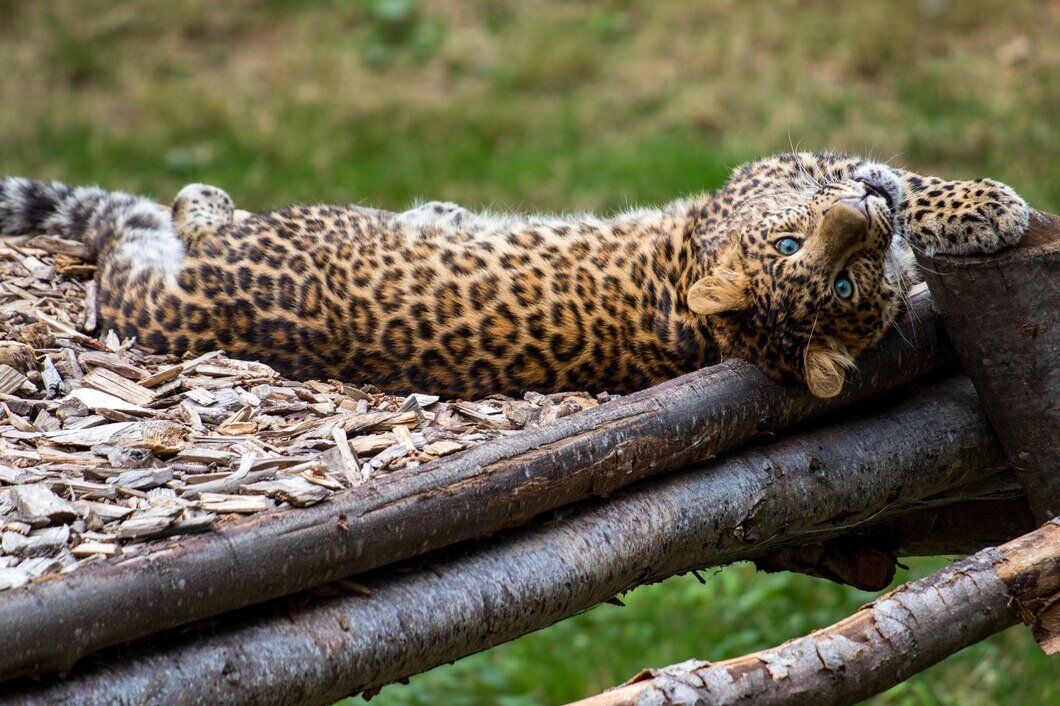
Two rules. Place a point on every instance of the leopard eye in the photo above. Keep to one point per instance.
(844, 288)
(788, 245)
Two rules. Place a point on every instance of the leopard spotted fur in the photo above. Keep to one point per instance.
(797, 264)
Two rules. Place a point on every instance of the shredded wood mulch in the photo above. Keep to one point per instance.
(106, 449)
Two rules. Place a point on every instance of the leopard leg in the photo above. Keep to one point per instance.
(199, 211)
(980, 216)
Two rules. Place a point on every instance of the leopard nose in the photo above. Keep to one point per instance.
(861, 204)
(844, 225)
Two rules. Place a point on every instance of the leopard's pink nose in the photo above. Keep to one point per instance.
(843, 226)
(861, 204)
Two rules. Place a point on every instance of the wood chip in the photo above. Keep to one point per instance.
(15, 420)
(491, 419)
(10, 379)
(351, 465)
(201, 396)
(121, 387)
(100, 401)
(321, 478)
(360, 423)
(47, 542)
(86, 549)
(205, 454)
(142, 478)
(404, 436)
(161, 437)
(162, 376)
(144, 525)
(37, 504)
(90, 316)
(295, 490)
(112, 362)
(215, 502)
(53, 381)
(13, 577)
(17, 355)
(60, 246)
(442, 448)
(109, 511)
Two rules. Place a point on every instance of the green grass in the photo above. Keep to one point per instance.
(550, 105)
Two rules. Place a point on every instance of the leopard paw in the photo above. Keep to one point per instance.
(199, 210)
(977, 217)
(435, 213)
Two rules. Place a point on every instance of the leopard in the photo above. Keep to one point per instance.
(799, 263)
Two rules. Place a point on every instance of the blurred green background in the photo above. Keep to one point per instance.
(550, 105)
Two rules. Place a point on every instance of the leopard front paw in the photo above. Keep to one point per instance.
(976, 217)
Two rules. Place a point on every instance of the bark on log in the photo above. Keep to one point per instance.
(884, 643)
(819, 483)
(472, 494)
(1003, 314)
(866, 559)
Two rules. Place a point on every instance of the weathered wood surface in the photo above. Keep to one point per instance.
(473, 494)
(893, 638)
(1003, 315)
(318, 647)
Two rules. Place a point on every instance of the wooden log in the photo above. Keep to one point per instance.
(1003, 315)
(468, 495)
(820, 483)
(886, 642)
(866, 559)
(960, 528)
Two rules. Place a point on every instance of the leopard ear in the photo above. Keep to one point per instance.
(725, 288)
(825, 369)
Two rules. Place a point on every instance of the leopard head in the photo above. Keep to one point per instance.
(800, 287)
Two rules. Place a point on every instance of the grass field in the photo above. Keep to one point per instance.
(550, 105)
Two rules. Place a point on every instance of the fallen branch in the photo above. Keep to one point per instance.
(472, 494)
(821, 483)
(893, 638)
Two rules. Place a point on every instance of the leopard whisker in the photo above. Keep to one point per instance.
(924, 252)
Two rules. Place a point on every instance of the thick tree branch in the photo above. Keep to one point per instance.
(896, 636)
(472, 494)
(820, 483)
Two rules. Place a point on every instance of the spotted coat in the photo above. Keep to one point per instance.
(439, 299)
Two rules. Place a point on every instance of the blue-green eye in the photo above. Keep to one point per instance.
(844, 288)
(788, 245)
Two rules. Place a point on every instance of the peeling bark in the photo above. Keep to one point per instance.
(819, 483)
(473, 494)
(1003, 315)
(893, 638)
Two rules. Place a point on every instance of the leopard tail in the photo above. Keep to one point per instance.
(130, 232)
